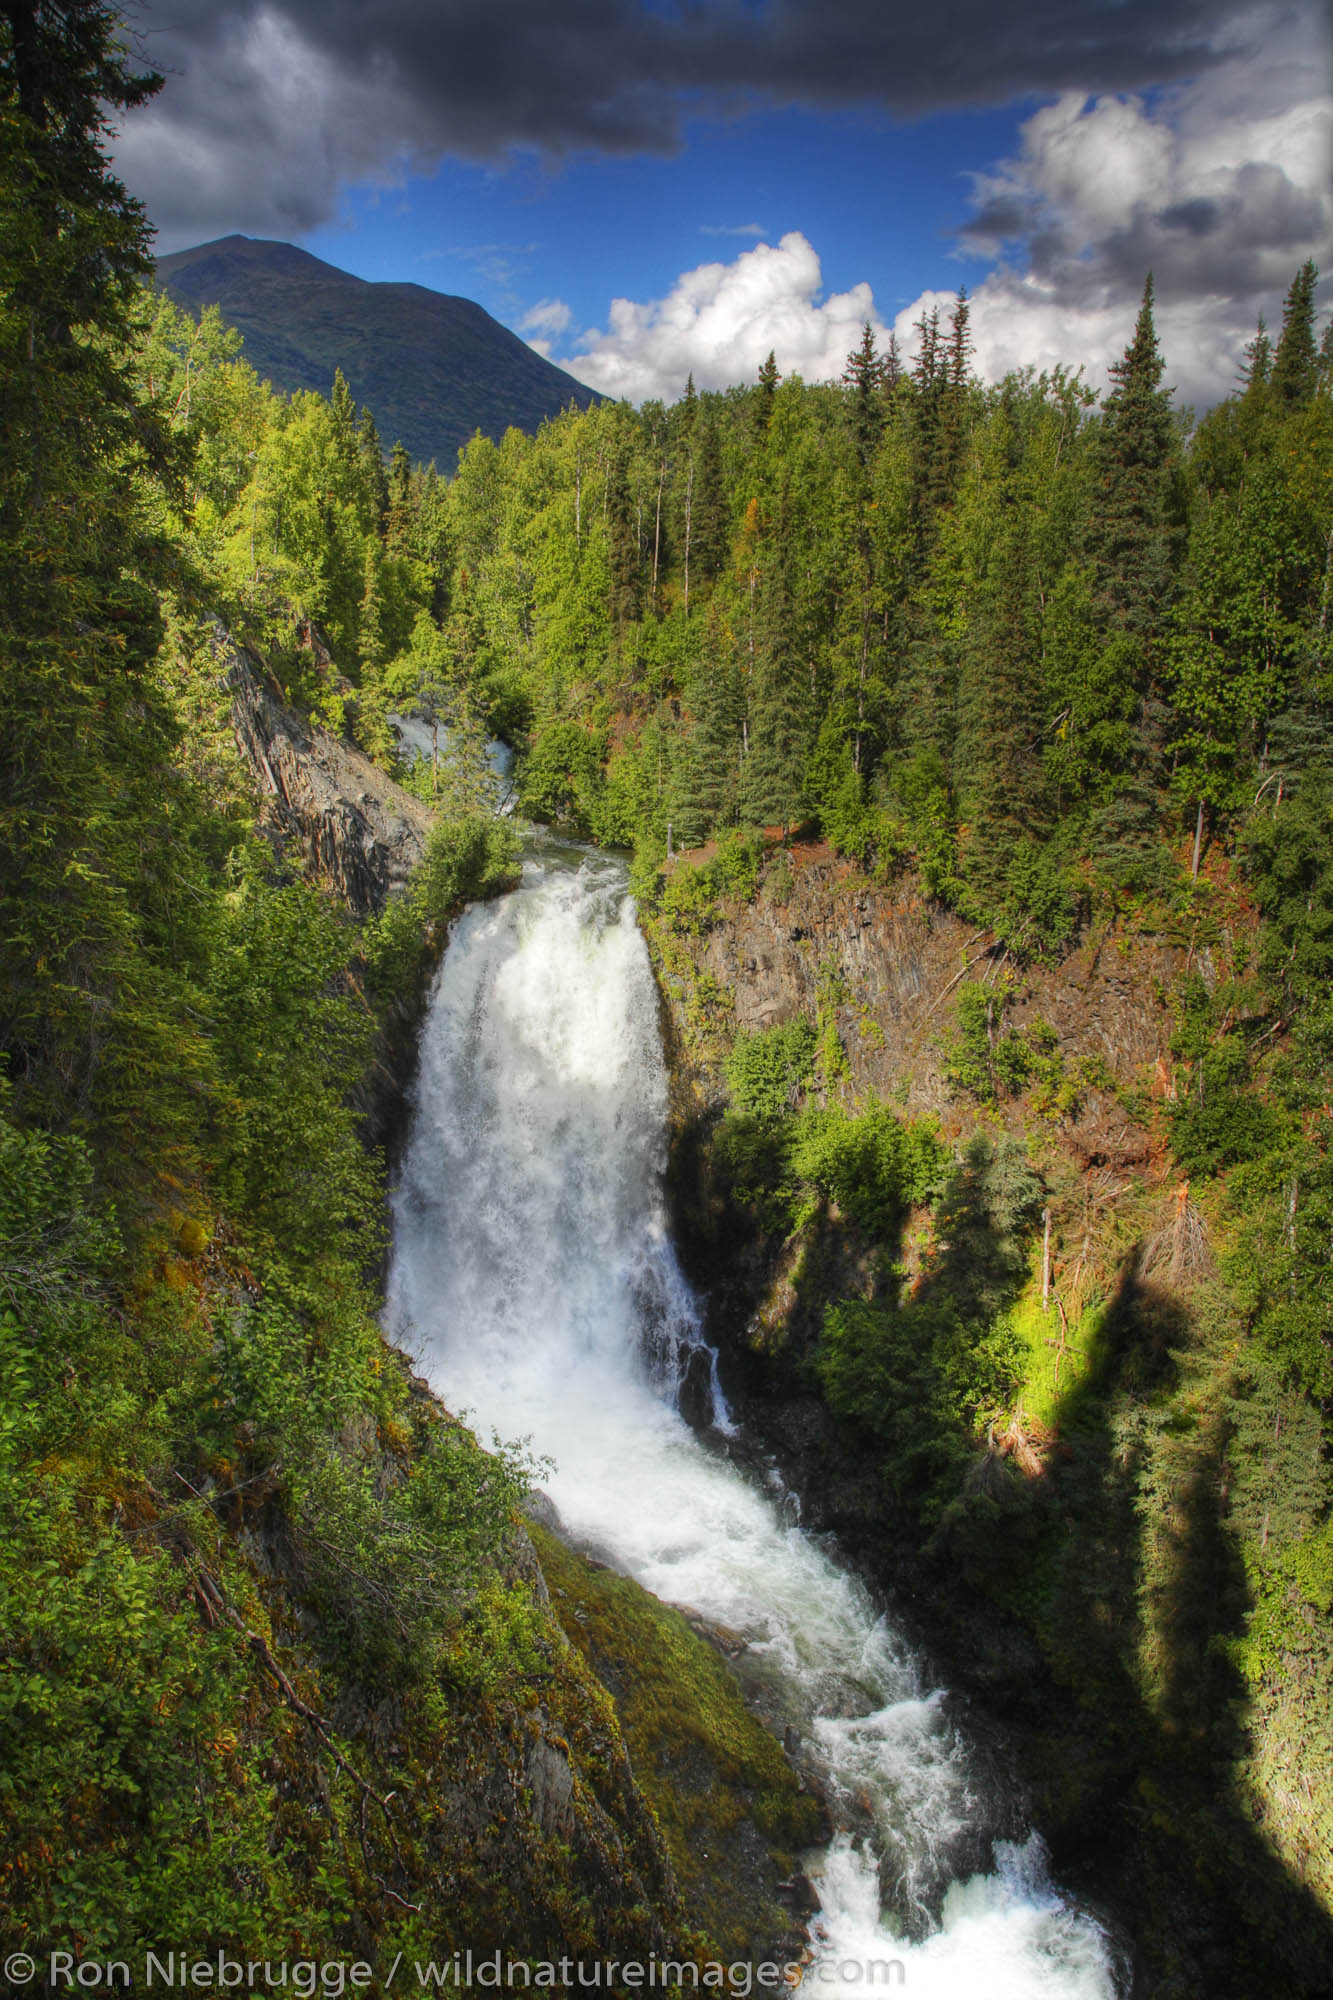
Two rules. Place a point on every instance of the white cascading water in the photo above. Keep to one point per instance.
(534, 1280)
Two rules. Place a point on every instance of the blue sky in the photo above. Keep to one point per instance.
(752, 174)
(881, 201)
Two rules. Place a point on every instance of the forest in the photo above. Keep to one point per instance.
(1059, 659)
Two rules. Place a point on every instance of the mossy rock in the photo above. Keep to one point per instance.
(731, 1809)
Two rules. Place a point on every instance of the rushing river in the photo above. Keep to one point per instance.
(534, 1279)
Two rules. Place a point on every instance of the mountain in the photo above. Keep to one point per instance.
(432, 368)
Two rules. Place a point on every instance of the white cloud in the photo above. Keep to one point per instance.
(549, 317)
(719, 322)
(544, 324)
(1220, 187)
(755, 229)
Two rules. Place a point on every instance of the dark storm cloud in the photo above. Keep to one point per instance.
(1240, 243)
(1196, 218)
(269, 107)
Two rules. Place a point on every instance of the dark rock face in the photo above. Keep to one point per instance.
(898, 962)
(350, 824)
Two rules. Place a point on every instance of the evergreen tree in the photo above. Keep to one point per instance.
(371, 635)
(936, 417)
(680, 512)
(710, 499)
(1295, 365)
(1132, 543)
(623, 549)
(85, 741)
(1130, 538)
(371, 455)
(892, 367)
(708, 780)
(863, 378)
(1258, 363)
(998, 778)
(399, 510)
(764, 392)
(779, 707)
(343, 409)
(953, 401)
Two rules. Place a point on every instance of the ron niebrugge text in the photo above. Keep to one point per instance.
(183, 1971)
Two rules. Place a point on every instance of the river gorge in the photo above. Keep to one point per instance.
(535, 1282)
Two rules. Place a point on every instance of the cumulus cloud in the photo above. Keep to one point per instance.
(1220, 187)
(719, 322)
(1210, 193)
(273, 105)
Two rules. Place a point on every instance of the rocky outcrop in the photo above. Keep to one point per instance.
(349, 823)
(887, 964)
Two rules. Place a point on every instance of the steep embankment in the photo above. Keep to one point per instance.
(545, 1839)
(281, 1673)
(969, 1301)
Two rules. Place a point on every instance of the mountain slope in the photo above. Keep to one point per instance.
(432, 368)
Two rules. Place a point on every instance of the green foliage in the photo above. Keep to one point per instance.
(978, 1058)
(561, 775)
(918, 1381)
(873, 1165)
(691, 894)
(465, 860)
(1221, 1121)
(397, 1569)
(766, 1071)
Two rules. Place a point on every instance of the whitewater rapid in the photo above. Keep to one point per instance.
(534, 1280)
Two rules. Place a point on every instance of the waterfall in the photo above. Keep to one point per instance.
(534, 1279)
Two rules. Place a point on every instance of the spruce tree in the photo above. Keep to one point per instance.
(85, 741)
(779, 706)
(1129, 538)
(1132, 546)
(892, 367)
(710, 499)
(708, 777)
(1258, 363)
(343, 406)
(370, 453)
(863, 378)
(398, 516)
(764, 391)
(998, 776)
(1295, 364)
(680, 509)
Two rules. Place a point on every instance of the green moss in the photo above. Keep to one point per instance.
(1059, 1356)
(713, 1775)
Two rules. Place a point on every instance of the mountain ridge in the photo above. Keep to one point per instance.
(432, 367)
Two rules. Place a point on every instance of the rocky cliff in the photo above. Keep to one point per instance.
(886, 967)
(1019, 1425)
(321, 800)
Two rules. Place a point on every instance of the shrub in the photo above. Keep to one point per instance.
(873, 1165)
(767, 1071)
